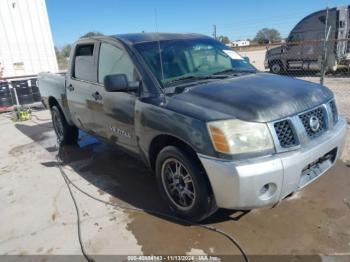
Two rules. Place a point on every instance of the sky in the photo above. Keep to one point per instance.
(71, 19)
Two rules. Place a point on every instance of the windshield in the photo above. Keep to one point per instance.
(191, 59)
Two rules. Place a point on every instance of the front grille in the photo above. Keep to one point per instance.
(285, 134)
(334, 111)
(319, 113)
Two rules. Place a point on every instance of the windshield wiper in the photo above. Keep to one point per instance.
(192, 77)
(234, 71)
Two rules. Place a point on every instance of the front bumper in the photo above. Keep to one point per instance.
(266, 63)
(240, 184)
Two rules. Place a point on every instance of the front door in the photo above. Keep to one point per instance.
(116, 120)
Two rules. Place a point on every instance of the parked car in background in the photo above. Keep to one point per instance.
(215, 131)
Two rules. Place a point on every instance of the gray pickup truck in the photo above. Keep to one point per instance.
(215, 131)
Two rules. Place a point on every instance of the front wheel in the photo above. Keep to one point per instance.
(276, 67)
(66, 134)
(184, 185)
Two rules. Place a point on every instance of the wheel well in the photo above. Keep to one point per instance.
(53, 102)
(161, 141)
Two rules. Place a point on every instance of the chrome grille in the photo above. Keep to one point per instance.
(305, 119)
(295, 131)
(285, 133)
(334, 111)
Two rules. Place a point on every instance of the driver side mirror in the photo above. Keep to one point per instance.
(120, 83)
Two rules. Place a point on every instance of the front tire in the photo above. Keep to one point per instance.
(66, 134)
(183, 184)
(276, 67)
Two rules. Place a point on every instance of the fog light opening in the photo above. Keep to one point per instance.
(267, 191)
(264, 189)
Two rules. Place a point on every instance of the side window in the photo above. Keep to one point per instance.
(84, 63)
(114, 60)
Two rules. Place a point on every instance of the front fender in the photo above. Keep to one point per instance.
(153, 119)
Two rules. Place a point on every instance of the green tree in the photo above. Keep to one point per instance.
(65, 51)
(57, 52)
(224, 39)
(267, 35)
(90, 34)
(62, 56)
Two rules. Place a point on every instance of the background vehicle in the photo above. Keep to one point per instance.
(216, 132)
(304, 49)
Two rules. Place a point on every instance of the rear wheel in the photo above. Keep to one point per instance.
(65, 133)
(183, 184)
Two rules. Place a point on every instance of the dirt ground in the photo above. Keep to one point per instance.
(38, 215)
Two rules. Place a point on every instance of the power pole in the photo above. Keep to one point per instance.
(324, 51)
(214, 31)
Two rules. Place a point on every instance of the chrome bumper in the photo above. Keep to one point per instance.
(243, 184)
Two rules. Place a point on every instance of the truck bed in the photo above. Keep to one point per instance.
(52, 85)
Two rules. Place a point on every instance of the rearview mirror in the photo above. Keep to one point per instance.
(246, 58)
(120, 83)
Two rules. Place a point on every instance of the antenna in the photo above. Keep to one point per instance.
(159, 49)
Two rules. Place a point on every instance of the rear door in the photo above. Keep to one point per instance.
(115, 120)
(81, 86)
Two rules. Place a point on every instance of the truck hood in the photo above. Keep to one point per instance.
(259, 97)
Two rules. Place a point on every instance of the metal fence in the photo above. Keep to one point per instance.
(309, 58)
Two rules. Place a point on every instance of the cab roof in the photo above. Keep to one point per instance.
(137, 38)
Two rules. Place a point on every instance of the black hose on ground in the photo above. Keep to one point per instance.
(67, 181)
(89, 259)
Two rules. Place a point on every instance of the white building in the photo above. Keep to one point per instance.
(26, 45)
(240, 43)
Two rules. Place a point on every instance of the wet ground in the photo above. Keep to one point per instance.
(38, 217)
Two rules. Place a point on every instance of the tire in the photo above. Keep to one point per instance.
(276, 67)
(196, 202)
(66, 134)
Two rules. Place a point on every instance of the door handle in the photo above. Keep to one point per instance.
(97, 96)
(71, 88)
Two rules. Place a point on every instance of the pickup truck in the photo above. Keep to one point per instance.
(216, 132)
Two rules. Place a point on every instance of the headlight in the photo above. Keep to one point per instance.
(236, 136)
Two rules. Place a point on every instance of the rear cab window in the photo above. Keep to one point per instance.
(83, 65)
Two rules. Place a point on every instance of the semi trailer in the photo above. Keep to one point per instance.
(320, 39)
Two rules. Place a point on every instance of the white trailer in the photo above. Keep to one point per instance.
(26, 45)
